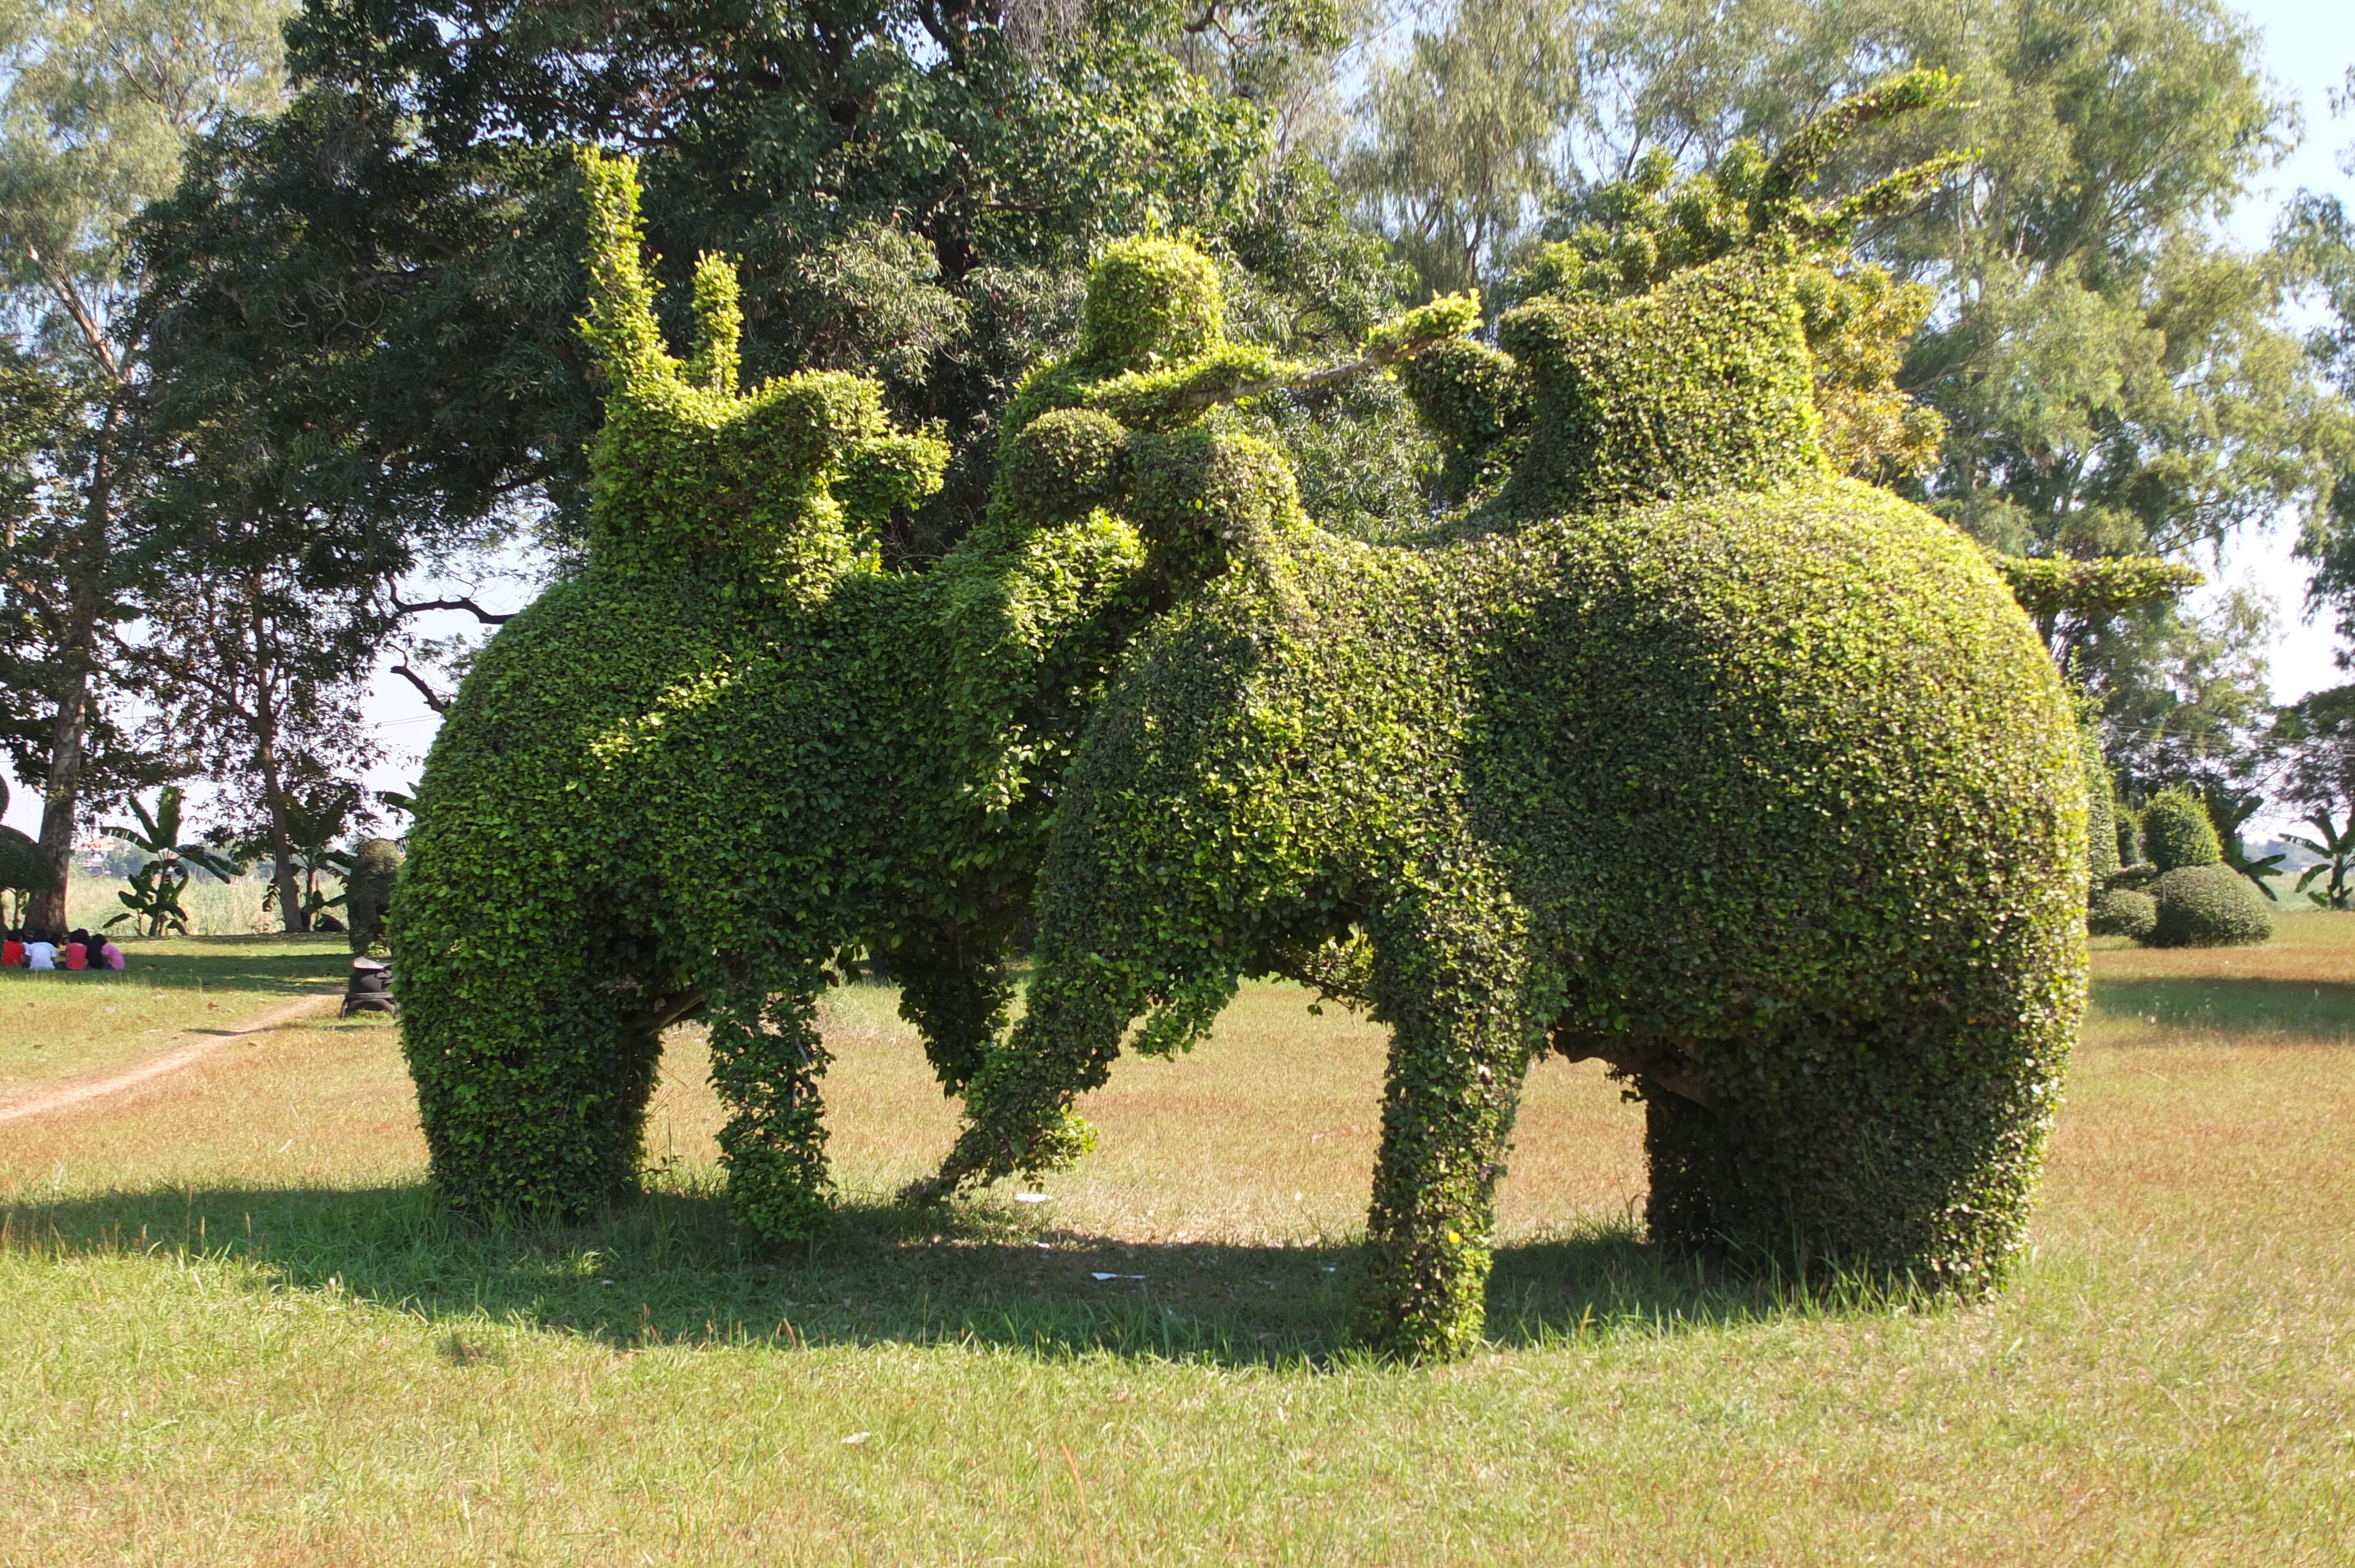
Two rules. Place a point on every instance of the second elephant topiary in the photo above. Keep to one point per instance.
(1673, 628)
(2210, 906)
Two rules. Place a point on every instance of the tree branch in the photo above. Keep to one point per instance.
(468, 605)
(433, 699)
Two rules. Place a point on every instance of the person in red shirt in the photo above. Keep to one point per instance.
(12, 951)
(77, 953)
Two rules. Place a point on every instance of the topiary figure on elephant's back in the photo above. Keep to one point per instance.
(735, 749)
(1417, 777)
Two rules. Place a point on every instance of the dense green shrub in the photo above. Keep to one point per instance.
(736, 681)
(1850, 1041)
(2207, 906)
(367, 891)
(2176, 832)
(23, 867)
(2122, 912)
(2101, 809)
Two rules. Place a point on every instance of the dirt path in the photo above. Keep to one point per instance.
(201, 1042)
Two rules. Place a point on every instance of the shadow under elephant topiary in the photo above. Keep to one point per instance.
(1751, 781)
(735, 751)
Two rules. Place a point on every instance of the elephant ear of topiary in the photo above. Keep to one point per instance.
(2210, 906)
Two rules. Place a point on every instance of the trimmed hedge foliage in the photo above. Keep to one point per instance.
(376, 867)
(2122, 912)
(1423, 790)
(2176, 832)
(23, 867)
(2207, 906)
(735, 750)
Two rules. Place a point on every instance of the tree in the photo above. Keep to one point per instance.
(99, 100)
(386, 276)
(2316, 741)
(2115, 379)
(156, 884)
(1458, 140)
(255, 633)
(2318, 237)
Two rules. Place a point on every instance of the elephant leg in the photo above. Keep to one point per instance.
(1907, 1159)
(1018, 1106)
(957, 998)
(1457, 983)
(533, 1063)
(1696, 1196)
(767, 1056)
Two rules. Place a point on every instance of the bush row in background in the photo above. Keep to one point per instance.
(2159, 876)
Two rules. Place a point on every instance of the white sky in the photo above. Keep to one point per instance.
(2308, 46)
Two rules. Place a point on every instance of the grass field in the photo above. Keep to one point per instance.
(237, 1329)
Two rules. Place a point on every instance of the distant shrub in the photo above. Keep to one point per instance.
(2122, 912)
(2176, 832)
(2207, 907)
(2128, 827)
(2100, 810)
(369, 891)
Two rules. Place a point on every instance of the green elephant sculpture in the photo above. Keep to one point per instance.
(1681, 753)
(735, 750)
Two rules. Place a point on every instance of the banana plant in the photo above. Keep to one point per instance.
(2229, 810)
(2337, 847)
(308, 861)
(154, 898)
(157, 884)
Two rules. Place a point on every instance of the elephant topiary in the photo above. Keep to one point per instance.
(735, 749)
(24, 869)
(367, 891)
(1671, 626)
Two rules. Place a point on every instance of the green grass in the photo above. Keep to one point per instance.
(59, 1024)
(240, 1330)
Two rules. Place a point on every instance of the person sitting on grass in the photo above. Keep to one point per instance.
(104, 953)
(12, 950)
(77, 954)
(41, 953)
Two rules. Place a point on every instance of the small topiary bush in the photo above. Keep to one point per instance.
(2207, 906)
(2176, 832)
(2122, 912)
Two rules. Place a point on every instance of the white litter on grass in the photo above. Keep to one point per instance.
(856, 1438)
(1095, 1276)
(1034, 1198)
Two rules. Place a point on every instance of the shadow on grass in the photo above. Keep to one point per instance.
(2321, 1010)
(674, 1269)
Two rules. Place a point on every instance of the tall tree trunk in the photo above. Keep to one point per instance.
(292, 917)
(60, 798)
(86, 601)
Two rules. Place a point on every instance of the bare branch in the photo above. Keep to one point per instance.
(433, 699)
(468, 605)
